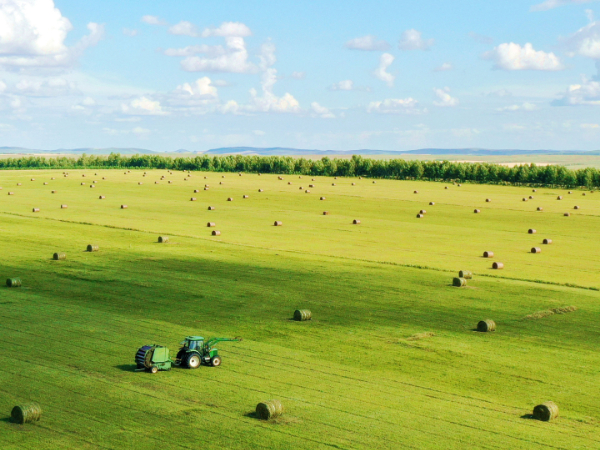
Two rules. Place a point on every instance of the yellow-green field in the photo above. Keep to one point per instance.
(390, 360)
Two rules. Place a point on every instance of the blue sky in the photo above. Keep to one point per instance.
(392, 75)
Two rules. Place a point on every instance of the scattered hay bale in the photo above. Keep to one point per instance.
(139, 182)
(83, 184)
(28, 413)
(289, 182)
(583, 193)
(476, 211)
(422, 212)
(280, 178)
(92, 186)
(536, 250)
(216, 233)
(534, 190)
(260, 190)
(459, 185)
(547, 241)
(307, 191)
(445, 187)
(465, 274)
(11, 193)
(59, 256)
(539, 208)
(333, 184)
(124, 206)
(356, 222)
(211, 224)
(45, 183)
(420, 216)
(192, 199)
(485, 326)
(559, 197)
(245, 196)
(311, 185)
(576, 207)
(488, 254)
(211, 208)
(312, 179)
(488, 200)
(196, 191)
(546, 411)
(36, 210)
(431, 203)
(459, 282)
(416, 192)
(374, 182)
(230, 199)
(269, 410)
(531, 231)
(93, 248)
(524, 199)
(163, 239)
(302, 314)
(101, 197)
(567, 214)
(322, 198)
(170, 182)
(531, 197)
(52, 178)
(325, 213)
(104, 178)
(13, 282)
(299, 176)
(570, 192)
(498, 265)
(156, 182)
(64, 206)
(353, 184)
(206, 188)
(278, 223)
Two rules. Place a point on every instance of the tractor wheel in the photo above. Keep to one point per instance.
(215, 361)
(153, 369)
(193, 361)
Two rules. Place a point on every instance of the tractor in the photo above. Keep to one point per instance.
(193, 352)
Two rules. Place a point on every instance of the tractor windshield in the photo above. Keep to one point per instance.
(193, 345)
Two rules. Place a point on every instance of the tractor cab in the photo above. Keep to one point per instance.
(193, 343)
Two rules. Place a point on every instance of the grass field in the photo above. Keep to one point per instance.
(390, 360)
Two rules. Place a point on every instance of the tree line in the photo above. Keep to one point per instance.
(477, 172)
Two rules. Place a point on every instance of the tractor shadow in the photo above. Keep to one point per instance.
(127, 367)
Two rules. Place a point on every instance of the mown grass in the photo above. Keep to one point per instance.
(364, 373)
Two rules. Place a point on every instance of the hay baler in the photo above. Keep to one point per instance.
(153, 358)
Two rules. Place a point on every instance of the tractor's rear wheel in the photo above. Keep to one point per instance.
(193, 361)
(153, 369)
(215, 361)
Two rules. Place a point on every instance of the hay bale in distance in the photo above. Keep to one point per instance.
(260, 190)
(445, 187)
(211, 224)
(416, 192)
(302, 315)
(216, 233)
(269, 410)
(307, 191)
(333, 184)
(559, 197)
(488, 200)
(459, 282)
(59, 256)
(524, 199)
(300, 188)
(488, 254)
(13, 282)
(192, 199)
(570, 192)
(93, 248)
(28, 413)
(546, 411)
(536, 250)
(476, 211)
(311, 185)
(465, 274)
(431, 203)
(211, 208)
(325, 213)
(567, 214)
(280, 178)
(230, 199)
(420, 216)
(245, 196)
(485, 326)
(534, 190)
(422, 212)
(163, 239)
(531, 231)
(101, 197)
(539, 208)
(356, 222)
(547, 241)
(277, 223)
(92, 186)
(322, 198)
(139, 183)
(531, 197)
(124, 206)
(196, 191)
(576, 207)
(374, 182)
(206, 188)
(64, 206)
(36, 210)
(289, 182)
(11, 193)
(353, 184)
(45, 183)
(498, 265)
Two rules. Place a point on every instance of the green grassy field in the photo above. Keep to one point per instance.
(361, 374)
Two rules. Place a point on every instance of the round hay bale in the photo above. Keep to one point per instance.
(313, 179)
(163, 239)
(230, 199)
(546, 411)
(333, 184)
(192, 199)
(356, 222)
(11, 193)
(300, 176)
(260, 190)
(422, 212)
(211, 224)
(104, 178)
(498, 265)
(280, 178)
(432, 203)
(64, 206)
(476, 211)
(45, 183)
(335, 178)
(576, 207)
(245, 196)
(531, 197)
(36, 210)
(83, 184)
(534, 190)
(211, 208)
(307, 191)
(139, 182)
(59, 256)
(52, 178)
(567, 214)
(459, 185)
(278, 223)
(311, 185)
(322, 198)
(300, 188)
(13, 282)
(302, 314)
(196, 191)
(83, 175)
(459, 282)
(416, 192)
(547, 241)
(156, 182)
(325, 213)
(420, 216)
(206, 188)
(524, 199)
(28, 413)
(531, 231)
(467, 274)
(536, 250)
(559, 197)
(289, 182)
(583, 193)
(485, 326)
(124, 206)
(570, 192)
(539, 208)
(92, 186)
(374, 182)
(269, 410)
(360, 178)
(206, 185)
(216, 233)
(170, 182)
(93, 248)
(488, 200)
(488, 254)
(353, 184)
(445, 187)
(101, 197)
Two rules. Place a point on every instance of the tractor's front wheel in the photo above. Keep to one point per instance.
(193, 361)
(215, 361)
(153, 369)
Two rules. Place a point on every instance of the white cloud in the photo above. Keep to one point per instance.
(344, 85)
(368, 43)
(511, 56)
(258, 133)
(139, 131)
(465, 132)
(586, 93)
(267, 55)
(2, 86)
(299, 75)
(201, 88)
(269, 102)
(33, 33)
(184, 28)
(381, 72)
(211, 50)
(321, 111)
(590, 126)
(444, 97)
(500, 93)
(130, 32)
(589, 14)
(228, 29)
(45, 88)
(231, 107)
(143, 106)
(412, 40)
(395, 106)
(234, 59)
(444, 67)
(585, 41)
(523, 107)
(220, 83)
(551, 4)
(153, 20)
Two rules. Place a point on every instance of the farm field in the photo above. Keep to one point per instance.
(390, 360)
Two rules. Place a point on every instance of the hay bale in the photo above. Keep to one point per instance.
(206, 188)
(531, 231)
(524, 199)
(280, 178)
(170, 182)
(216, 233)
(64, 206)
(156, 182)
(498, 265)
(13, 282)
(104, 178)
(36, 210)
(476, 211)
(459, 185)
(576, 207)
(300, 176)
(534, 190)
(431, 203)
(289, 182)
(307, 191)
(559, 197)
(83, 184)
(92, 186)
(322, 198)
(467, 274)
(211, 224)
(485, 326)
(269, 410)
(416, 192)
(583, 193)
(52, 178)
(356, 222)
(459, 282)
(101, 197)
(93, 248)
(325, 213)
(196, 191)
(536, 250)
(163, 239)
(27, 413)
(539, 208)
(374, 182)
(567, 214)
(445, 187)
(260, 190)
(300, 188)
(59, 256)
(420, 216)
(211, 208)
(546, 411)
(301, 315)
(45, 183)
(139, 182)
(570, 192)
(230, 199)
(488, 254)
(488, 200)
(333, 184)
(422, 212)
(353, 184)
(313, 179)
(192, 199)
(124, 206)
(278, 223)
(547, 241)
(11, 193)
(311, 185)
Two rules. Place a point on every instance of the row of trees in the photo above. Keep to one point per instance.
(529, 174)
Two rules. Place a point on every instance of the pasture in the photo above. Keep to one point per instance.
(391, 358)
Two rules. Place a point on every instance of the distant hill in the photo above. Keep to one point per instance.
(74, 151)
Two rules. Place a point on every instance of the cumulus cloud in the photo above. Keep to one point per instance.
(444, 98)
(228, 29)
(153, 20)
(143, 106)
(344, 85)
(585, 41)
(412, 40)
(321, 111)
(233, 59)
(381, 72)
(586, 93)
(551, 4)
(444, 67)
(184, 28)
(299, 75)
(523, 107)
(511, 56)
(267, 55)
(45, 88)
(368, 43)
(2, 86)
(202, 88)
(590, 126)
(269, 102)
(395, 106)
(33, 33)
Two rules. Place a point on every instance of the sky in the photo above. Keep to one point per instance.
(329, 74)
